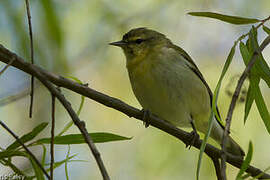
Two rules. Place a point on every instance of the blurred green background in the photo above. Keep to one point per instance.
(71, 38)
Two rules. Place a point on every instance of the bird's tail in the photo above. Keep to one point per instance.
(231, 146)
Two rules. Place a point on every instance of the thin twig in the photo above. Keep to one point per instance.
(256, 27)
(234, 99)
(6, 66)
(32, 56)
(211, 151)
(26, 149)
(52, 136)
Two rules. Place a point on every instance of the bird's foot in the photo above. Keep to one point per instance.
(193, 137)
(146, 117)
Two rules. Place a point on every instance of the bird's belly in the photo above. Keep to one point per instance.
(161, 101)
(168, 94)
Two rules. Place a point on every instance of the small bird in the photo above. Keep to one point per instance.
(167, 83)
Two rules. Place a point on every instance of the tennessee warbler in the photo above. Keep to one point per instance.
(167, 82)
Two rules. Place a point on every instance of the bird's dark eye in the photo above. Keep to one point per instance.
(139, 41)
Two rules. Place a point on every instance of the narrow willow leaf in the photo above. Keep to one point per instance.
(43, 155)
(78, 138)
(38, 172)
(244, 53)
(246, 162)
(66, 163)
(261, 68)
(266, 29)
(250, 94)
(210, 125)
(29, 136)
(226, 18)
(70, 123)
(216, 92)
(261, 106)
(12, 153)
(59, 163)
(75, 79)
(249, 101)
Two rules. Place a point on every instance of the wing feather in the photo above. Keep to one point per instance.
(196, 70)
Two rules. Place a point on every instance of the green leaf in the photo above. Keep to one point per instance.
(261, 106)
(11, 153)
(43, 155)
(75, 79)
(29, 136)
(244, 53)
(249, 101)
(226, 18)
(66, 163)
(254, 81)
(78, 138)
(70, 123)
(246, 162)
(224, 70)
(250, 94)
(266, 29)
(38, 171)
(59, 163)
(261, 68)
(210, 125)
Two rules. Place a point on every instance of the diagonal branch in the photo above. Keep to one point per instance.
(6, 67)
(211, 151)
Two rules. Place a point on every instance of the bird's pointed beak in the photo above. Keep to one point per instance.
(118, 43)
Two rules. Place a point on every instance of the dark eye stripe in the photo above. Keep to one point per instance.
(139, 41)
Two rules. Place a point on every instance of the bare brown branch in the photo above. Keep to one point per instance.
(52, 136)
(119, 105)
(6, 66)
(32, 56)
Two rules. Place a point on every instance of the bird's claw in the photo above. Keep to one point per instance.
(146, 117)
(193, 137)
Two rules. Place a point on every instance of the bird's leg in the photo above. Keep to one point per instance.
(146, 117)
(194, 136)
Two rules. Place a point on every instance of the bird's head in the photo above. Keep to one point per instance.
(139, 42)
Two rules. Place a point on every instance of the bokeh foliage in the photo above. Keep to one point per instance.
(71, 38)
